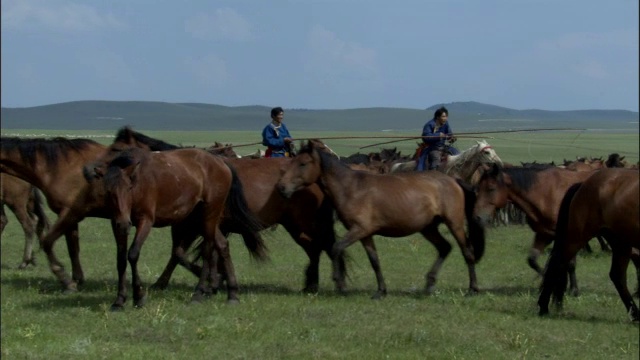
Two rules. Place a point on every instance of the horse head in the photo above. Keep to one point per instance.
(303, 170)
(488, 154)
(119, 180)
(491, 192)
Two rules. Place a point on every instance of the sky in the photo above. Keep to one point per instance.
(323, 54)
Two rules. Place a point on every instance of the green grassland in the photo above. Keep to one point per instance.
(276, 321)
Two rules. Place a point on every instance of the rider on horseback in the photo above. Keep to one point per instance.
(434, 136)
(276, 136)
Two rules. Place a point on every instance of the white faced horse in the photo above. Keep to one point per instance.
(464, 165)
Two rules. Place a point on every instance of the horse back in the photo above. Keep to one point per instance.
(259, 178)
(611, 199)
(172, 183)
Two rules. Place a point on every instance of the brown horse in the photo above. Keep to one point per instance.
(25, 201)
(55, 166)
(307, 216)
(184, 188)
(389, 205)
(537, 192)
(606, 203)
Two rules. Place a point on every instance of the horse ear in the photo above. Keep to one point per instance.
(132, 171)
(98, 172)
(622, 158)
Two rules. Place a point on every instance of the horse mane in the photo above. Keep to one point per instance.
(124, 159)
(328, 160)
(457, 164)
(51, 149)
(521, 177)
(126, 133)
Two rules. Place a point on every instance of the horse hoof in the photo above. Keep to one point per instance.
(543, 312)
(430, 290)
(233, 302)
(158, 286)
(574, 292)
(140, 302)
(310, 289)
(472, 292)
(70, 288)
(116, 308)
(197, 298)
(378, 295)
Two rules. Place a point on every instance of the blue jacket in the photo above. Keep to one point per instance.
(430, 130)
(273, 138)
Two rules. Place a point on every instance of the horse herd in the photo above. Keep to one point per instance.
(142, 182)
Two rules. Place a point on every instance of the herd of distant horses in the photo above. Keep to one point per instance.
(203, 195)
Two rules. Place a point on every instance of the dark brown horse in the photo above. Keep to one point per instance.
(537, 192)
(307, 216)
(389, 205)
(606, 203)
(25, 201)
(185, 188)
(55, 166)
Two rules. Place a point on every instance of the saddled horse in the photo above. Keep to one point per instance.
(307, 216)
(464, 165)
(55, 166)
(393, 205)
(606, 203)
(25, 201)
(537, 192)
(185, 188)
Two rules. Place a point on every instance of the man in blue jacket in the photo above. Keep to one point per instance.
(276, 137)
(434, 134)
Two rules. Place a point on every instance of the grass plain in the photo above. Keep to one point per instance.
(276, 321)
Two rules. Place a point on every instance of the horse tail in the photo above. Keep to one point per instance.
(476, 234)
(556, 271)
(238, 210)
(43, 224)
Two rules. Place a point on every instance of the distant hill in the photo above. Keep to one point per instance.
(147, 115)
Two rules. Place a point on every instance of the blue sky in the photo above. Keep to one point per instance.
(522, 54)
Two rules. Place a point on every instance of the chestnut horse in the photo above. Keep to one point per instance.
(55, 167)
(537, 192)
(606, 203)
(307, 216)
(25, 201)
(393, 205)
(185, 188)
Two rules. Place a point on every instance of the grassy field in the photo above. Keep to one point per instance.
(276, 321)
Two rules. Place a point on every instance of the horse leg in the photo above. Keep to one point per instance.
(142, 231)
(312, 250)
(73, 247)
(221, 246)
(3, 219)
(540, 242)
(618, 275)
(182, 237)
(467, 252)
(214, 240)
(353, 234)
(603, 244)
(28, 227)
(573, 281)
(444, 248)
(635, 258)
(120, 234)
(370, 247)
(67, 224)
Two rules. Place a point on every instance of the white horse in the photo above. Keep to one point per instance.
(463, 165)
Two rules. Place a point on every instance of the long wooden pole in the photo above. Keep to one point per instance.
(404, 138)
